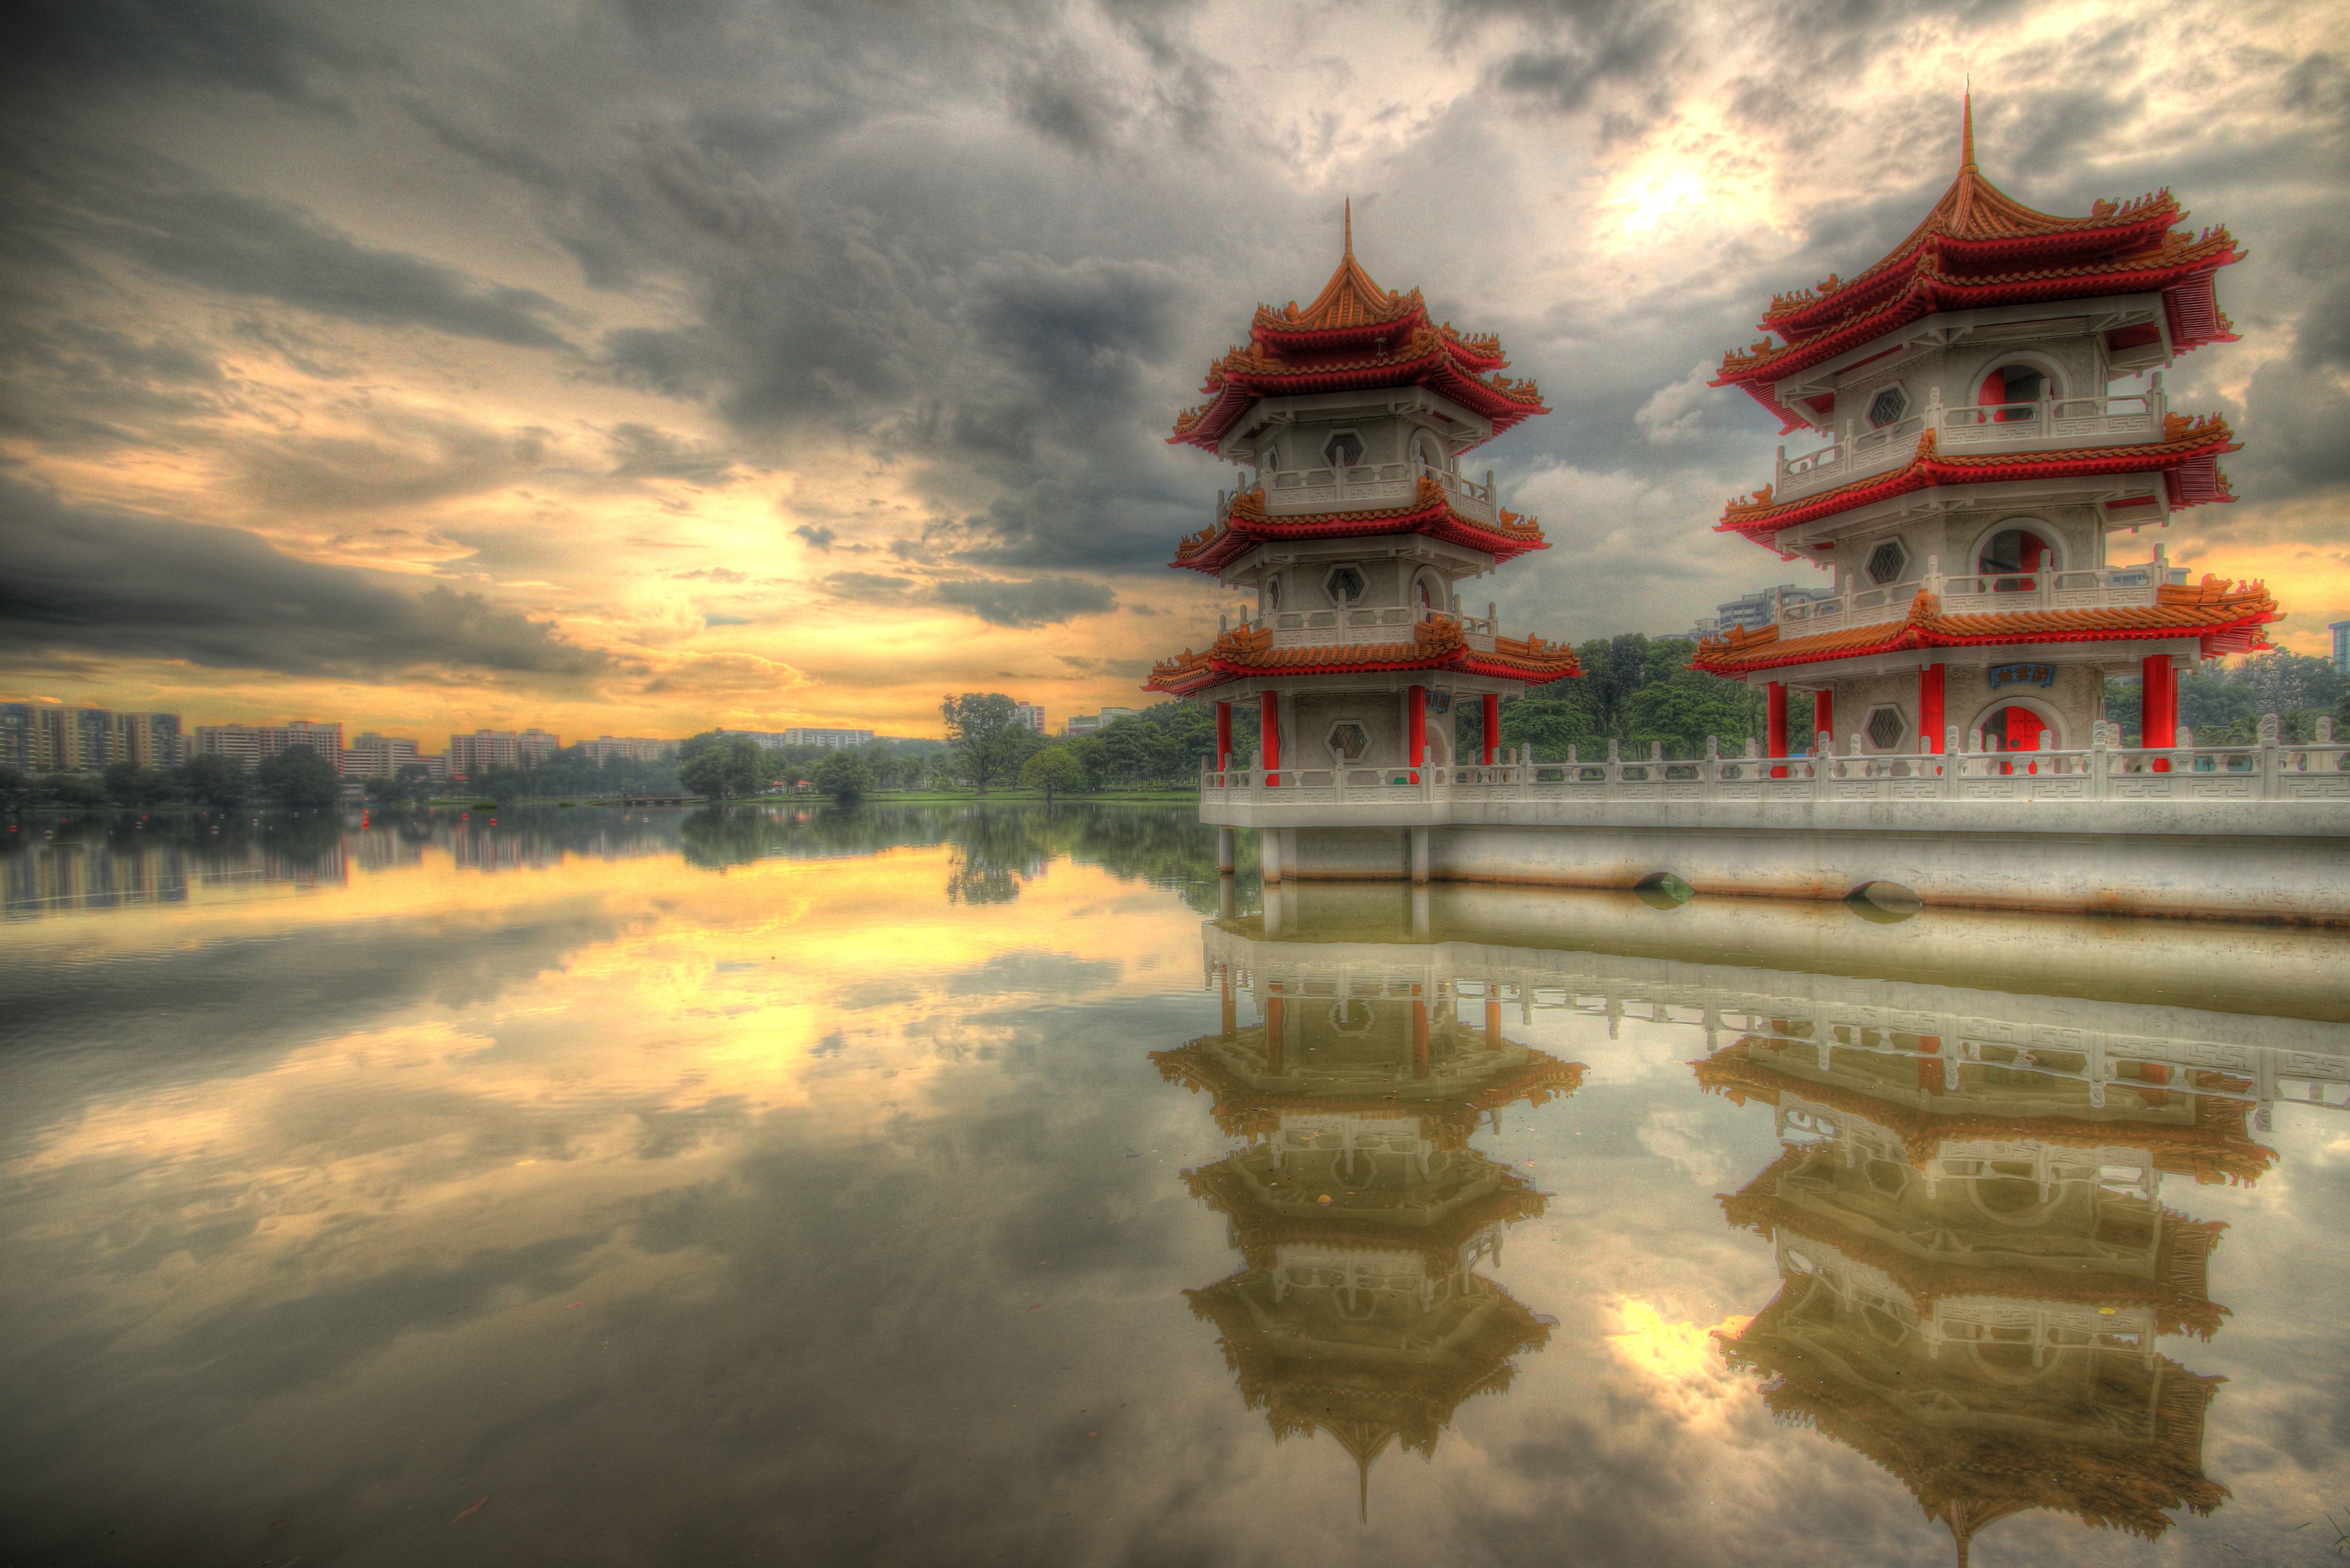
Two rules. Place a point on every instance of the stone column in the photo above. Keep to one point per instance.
(1227, 851)
(1419, 856)
(1268, 856)
(1416, 728)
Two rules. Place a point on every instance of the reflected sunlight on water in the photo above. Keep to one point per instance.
(955, 1185)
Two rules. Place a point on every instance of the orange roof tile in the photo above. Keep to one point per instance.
(1437, 643)
(1431, 512)
(2226, 617)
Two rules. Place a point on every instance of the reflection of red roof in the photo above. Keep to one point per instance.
(2227, 619)
(2214, 1148)
(2177, 1294)
(1971, 1475)
(2187, 458)
(1243, 1109)
(1436, 644)
(1356, 335)
(1980, 247)
(1261, 1228)
(1430, 512)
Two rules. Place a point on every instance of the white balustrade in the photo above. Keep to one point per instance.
(2133, 418)
(2269, 769)
(1372, 487)
(1394, 623)
(2131, 588)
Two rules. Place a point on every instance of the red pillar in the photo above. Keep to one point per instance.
(1273, 1022)
(1774, 710)
(1269, 727)
(1415, 723)
(1224, 736)
(2158, 702)
(1930, 705)
(1492, 1024)
(1418, 1037)
(1492, 725)
(1822, 713)
(1230, 1020)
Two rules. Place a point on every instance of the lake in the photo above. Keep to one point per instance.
(989, 1184)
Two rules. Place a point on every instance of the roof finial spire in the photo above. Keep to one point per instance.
(1350, 225)
(1967, 128)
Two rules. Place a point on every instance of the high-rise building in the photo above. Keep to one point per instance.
(1092, 723)
(1031, 714)
(2340, 630)
(1758, 609)
(42, 737)
(251, 745)
(374, 756)
(627, 748)
(473, 755)
(833, 739)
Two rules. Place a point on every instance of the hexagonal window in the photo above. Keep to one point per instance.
(1273, 593)
(1884, 728)
(1345, 585)
(1344, 449)
(1885, 562)
(1888, 405)
(1349, 741)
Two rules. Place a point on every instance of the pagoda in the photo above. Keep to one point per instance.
(1358, 1208)
(1353, 531)
(1980, 460)
(1975, 1265)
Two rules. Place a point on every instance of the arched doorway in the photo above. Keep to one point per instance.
(2012, 558)
(2016, 728)
(2012, 384)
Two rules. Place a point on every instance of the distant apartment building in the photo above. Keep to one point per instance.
(624, 748)
(46, 738)
(251, 745)
(470, 756)
(834, 740)
(374, 756)
(1031, 714)
(1756, 610)
(1092, 723)
(2340, 630)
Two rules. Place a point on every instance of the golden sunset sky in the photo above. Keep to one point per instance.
(634, 368)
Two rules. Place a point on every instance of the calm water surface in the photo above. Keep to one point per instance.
(956, 1186)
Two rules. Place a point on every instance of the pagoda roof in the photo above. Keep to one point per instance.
(1354, 336)
(1365, 1400)
(1436, 1220)
(1967, 1476)
(2227, 619)
(1980, 247)
(2176, 1293)
(1246, 525)
(2213, 1148)
(2187, 457)
(1437, 643)
(1243, 1109)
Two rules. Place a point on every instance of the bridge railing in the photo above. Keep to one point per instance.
(2270, 769)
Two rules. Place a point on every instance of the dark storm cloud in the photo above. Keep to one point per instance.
(173, 222)
(410, 460)
(1042, 601)
(253, 46)
(79, 579)
(642, 451)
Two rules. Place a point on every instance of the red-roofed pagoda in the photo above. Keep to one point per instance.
(1981, 457)
(1354, 536)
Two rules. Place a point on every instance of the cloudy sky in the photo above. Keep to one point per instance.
(634, 366)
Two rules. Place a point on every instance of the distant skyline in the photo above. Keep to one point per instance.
(629, 369)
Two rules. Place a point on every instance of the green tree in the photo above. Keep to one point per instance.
(127, 783)
(1684, 708)
(15, 790)
(845, 775)
(217, 782)
(1054, 770)
(726, 767)
(987, 738)
(298, 777)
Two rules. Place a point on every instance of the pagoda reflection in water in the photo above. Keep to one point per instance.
(1358, 1208)
(1976, 1264)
